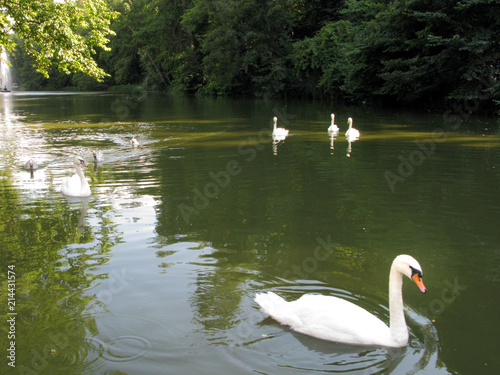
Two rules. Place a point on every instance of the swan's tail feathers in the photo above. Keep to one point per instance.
(269, 302)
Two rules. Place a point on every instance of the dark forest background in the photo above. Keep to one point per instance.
(419, 53)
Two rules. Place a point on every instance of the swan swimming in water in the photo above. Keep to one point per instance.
(333, 128)
(351, 133)
(31, 165)
(134, 142)
(77, 185)
(334, 319)
(279, 132)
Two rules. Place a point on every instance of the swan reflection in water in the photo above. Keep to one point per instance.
(84, 201)
(276, 140)
(333, 136)
(349, 147)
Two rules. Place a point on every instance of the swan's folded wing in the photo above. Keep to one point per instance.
(335, 319)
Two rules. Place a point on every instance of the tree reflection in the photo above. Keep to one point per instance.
(53, 251)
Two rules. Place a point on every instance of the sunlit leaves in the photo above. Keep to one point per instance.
(64, 34)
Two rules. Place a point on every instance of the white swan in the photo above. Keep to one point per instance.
(279, 132)
(335, 319)
(333, 128)
(351, 133)
(98, 158)
(134, 142)
(31, 165)
(77, 185)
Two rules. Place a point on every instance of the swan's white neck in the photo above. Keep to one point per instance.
(398, 329)
(275, 123)
(80, 173)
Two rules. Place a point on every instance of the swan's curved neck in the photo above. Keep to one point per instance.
(80, 173)
(399, 331)
(274, 127)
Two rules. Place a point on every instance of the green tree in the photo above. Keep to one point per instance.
(311, 15)
(423, 52)
(321, 61)
(65, 34)
(123, 61)
(246, 45)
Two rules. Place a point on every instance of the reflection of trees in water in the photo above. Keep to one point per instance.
(53, 250)
(271, 232)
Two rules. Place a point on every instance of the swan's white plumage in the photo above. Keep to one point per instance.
(134, 142)
(76, 185)
(279, 132)
(351, 133)
(333, 128)
(334, 319)
(31, 165)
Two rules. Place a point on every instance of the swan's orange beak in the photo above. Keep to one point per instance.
(83, 163)
(418, 280)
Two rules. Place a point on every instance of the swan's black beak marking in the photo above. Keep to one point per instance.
(416, 276)
(82, 162)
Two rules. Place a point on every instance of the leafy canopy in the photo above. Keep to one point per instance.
(62, 33)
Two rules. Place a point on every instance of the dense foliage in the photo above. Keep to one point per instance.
(61, 33)
(404, 52)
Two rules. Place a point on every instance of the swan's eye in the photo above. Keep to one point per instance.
(414, 272)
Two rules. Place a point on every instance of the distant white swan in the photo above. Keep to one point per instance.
(334, 319)
(31, 165)
(351, 133)
(134, 142)
(77, 185)
(97, 156)
(333, 128)
(279, 132)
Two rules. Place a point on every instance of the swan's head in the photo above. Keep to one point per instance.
(275, 119)
(31, 165)
(332, 116)
(349, 121)
(409, 266)
(77, 160)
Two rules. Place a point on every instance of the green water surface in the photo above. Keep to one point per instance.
(155, 273)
